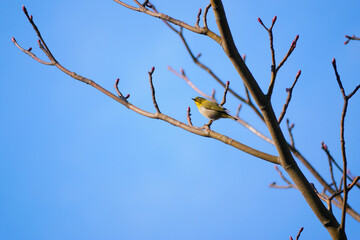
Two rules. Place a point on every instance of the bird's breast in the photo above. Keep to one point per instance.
(212, 114)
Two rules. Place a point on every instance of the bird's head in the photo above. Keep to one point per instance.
(199, 100)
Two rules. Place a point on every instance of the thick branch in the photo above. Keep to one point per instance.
(287, 161)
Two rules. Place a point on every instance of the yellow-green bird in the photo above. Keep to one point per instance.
(211, 110)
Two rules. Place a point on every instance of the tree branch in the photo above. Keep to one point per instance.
(349, 38)
(153, 90)
(191, 84)
(225, 92)
(289, 91)
(158, 115)
(195, 29)
(342, 141)
(239, 120)
(286, 159)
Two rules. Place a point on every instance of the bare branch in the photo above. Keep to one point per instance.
(338, 79)
(238, 110)
(324, 147)
(212, 97)
(191, 84)
(290, 127)
(118, 91)
(205, 15)
(349, 187)
(298, 235)
(225, 92)
(352, 177)
(349, 38)
(141, 8)
(41, 41)
(274, 68)
(28, 52)
(205, 133)
(342, 141)
(289, 91)
(289, 184)
(291, 49)
(189, 117)
(330, 157)
(208, 70)
(287, 161)
(198, 19)
(153, 90)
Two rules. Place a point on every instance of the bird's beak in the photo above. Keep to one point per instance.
(193, 99)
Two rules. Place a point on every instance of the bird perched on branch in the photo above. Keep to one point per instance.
(211, 110)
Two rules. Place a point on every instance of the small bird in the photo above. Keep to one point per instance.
(211, 110)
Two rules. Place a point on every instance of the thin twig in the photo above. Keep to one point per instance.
(290, 128)
(324, 147)
(141, 8)
(118, 91)
(238, 110)
(274, 68)
(291, 49)
(349, 38)
(342, 141)
(191, 84)
(153, 90)
(28, 52)
(198, 19)
(205, 15)
(289, 184)
(352, 177)
(298, 235)
(330, 157)
(349, 187)
(289, 91)
(188, 117)
(225, 92)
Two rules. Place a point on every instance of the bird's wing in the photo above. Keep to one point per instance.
(214, 106)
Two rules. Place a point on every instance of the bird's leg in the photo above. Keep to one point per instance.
(208, 124)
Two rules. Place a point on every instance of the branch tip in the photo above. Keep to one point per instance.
(182, 71)
(13, 39)
(152, 70)
(324, 146)
(293, 44)
(274, 19)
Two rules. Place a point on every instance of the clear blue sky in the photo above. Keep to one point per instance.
(74, 164)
